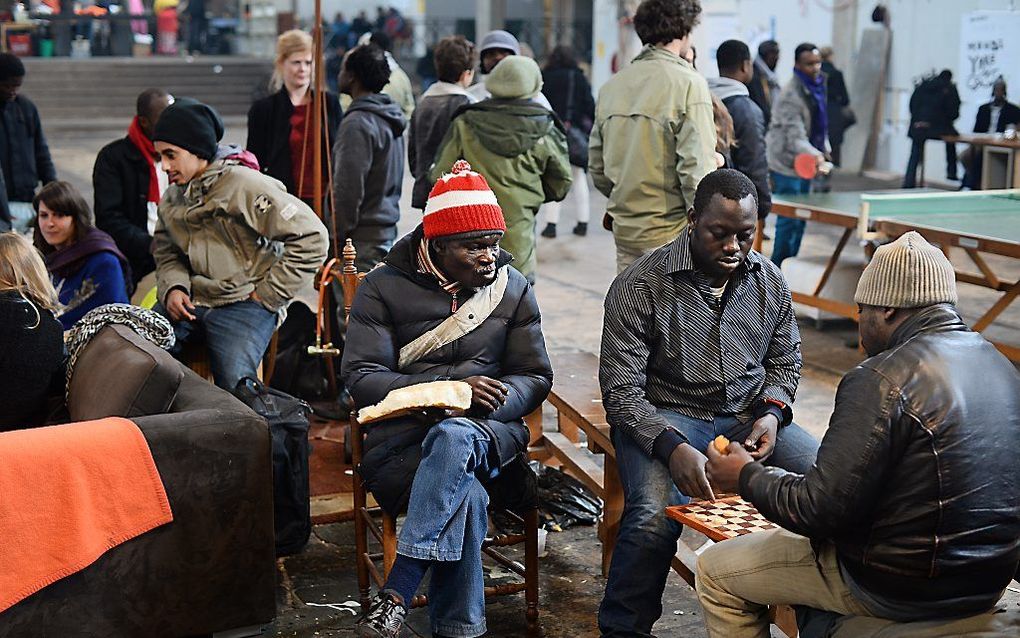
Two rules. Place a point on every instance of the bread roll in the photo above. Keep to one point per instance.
(444, 395)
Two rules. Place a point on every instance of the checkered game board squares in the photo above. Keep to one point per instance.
(721, 519)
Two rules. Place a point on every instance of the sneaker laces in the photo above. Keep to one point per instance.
(387, 614)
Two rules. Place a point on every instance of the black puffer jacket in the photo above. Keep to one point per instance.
(917, 481)
(395, 305)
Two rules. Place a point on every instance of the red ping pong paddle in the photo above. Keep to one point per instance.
(805, 166)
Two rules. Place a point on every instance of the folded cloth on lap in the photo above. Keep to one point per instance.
(69, 493)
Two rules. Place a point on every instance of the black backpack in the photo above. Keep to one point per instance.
(288, 427)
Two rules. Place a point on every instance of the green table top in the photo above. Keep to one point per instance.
(996, 216)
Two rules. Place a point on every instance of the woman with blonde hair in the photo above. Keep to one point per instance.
(31, 338)
(280, 126)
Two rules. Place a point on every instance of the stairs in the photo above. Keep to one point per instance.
(100, 92)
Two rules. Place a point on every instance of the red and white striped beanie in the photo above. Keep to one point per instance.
(462, 202)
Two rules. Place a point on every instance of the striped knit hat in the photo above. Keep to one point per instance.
(907, 273)
(462, 203)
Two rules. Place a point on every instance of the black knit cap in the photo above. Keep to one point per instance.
(191, 125)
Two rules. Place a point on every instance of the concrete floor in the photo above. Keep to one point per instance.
(317, 587)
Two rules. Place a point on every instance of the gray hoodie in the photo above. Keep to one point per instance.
(368, 169)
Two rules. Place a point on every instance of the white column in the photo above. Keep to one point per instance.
(605, 39)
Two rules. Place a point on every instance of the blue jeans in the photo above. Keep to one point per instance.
(236, 334)
(647, 539)
(447, 519)
(789, 232)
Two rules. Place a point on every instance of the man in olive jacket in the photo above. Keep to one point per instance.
(519, 146)
(911, 511)
(654, 135)
(437, 466)
(232, 247)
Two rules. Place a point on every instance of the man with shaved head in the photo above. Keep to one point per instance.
(128, 183)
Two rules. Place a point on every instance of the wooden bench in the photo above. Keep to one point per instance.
(578, 402)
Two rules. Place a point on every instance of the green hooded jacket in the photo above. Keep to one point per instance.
(652, 142)
(521, 150)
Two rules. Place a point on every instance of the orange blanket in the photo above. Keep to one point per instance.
(69, 493)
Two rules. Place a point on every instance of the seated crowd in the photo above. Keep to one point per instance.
(907, 511)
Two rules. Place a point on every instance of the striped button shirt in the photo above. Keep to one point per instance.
(669, 343)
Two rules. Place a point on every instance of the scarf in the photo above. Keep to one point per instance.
(64, 262)
(428, 267)
(148, 150)
(820, 109)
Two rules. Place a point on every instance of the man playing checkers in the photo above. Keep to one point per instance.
(911, 511)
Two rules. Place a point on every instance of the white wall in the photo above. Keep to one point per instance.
(925, 37)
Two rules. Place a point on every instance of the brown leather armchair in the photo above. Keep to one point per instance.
(212, 569)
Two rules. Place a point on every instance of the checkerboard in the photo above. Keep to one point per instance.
(721, 519)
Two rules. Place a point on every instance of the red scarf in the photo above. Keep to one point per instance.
(144, 144)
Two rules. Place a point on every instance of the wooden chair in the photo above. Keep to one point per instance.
(383, 527)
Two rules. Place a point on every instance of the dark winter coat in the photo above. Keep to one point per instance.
(120, 180)
(556, 85)
(934, 106)
(5, 211)
(1010, 115)
(23, 150)
(368, 169)
(269, 135)
(748, 151)
(916, 478)
(429, 123)
(396, 304)
(31, 361)
(838, 98)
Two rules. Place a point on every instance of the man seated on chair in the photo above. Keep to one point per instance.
(911, 511)
(232, 247)
(700, 340)
(435, 467)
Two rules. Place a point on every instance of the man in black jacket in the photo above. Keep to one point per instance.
(992, 117)
(934, 106)
(24, 155)
(764, 85)
(454, 62)
(748, 152)
(128, 183)
(436, 466)
(911, 511)
(368, 158)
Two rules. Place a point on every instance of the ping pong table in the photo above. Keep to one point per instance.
(978, 222)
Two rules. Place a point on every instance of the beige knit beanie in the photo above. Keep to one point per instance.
(907, 273)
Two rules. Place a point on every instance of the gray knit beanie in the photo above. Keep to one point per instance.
(499, 39)
(907, 273)
(515, 77)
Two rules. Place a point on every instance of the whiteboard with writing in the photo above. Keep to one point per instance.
(989, 47)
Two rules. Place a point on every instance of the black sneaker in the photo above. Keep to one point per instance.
(581, 229)
(384, 619)
(549, 231)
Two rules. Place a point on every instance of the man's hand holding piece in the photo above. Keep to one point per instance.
(723, 468)
(762, 440)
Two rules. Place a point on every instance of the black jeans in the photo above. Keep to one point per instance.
(916, 150)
